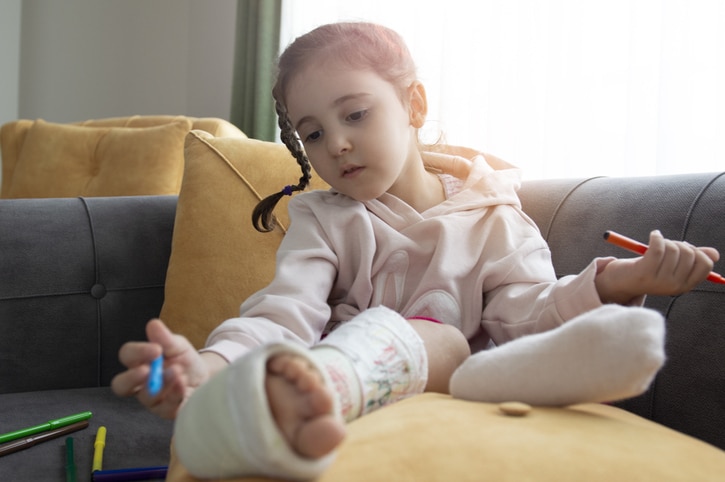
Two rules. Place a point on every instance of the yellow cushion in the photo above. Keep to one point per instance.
(432, 437)
(12, 134)
(63, 160)
(217, 257)
(213, 125)
(12, 137)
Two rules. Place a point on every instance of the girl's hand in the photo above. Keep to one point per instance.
(667, 268)
(184, 370)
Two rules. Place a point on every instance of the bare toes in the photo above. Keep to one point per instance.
(302, 406)
(319, 402)
(296, 370)
(319, 437)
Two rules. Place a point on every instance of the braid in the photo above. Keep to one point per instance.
(290, 139)
(262, 217)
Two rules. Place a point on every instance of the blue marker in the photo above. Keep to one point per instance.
(156, 377)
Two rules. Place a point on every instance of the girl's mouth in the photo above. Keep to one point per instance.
(351, 171)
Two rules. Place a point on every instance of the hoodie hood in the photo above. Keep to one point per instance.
(488, 181)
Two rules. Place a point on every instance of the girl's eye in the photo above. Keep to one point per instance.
(313, 136)
(358, 116)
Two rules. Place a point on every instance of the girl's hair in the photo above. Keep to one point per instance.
(360, 46)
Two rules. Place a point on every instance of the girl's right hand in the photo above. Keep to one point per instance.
(184, 370)
(667, 268)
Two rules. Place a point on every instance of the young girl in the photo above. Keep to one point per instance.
(385, 280)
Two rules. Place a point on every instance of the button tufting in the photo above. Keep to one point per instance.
(98, 291)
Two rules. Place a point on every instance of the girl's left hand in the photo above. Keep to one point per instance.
(668, 268)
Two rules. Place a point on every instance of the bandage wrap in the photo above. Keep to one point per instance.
(384, 351)
(226, 428)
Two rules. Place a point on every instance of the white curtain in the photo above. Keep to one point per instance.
(562, 88)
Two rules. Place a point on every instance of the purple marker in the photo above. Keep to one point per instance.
(124, 475)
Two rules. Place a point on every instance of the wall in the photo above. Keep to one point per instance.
(9, 59)
(82, 59)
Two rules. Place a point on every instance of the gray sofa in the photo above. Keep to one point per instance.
(79, 277)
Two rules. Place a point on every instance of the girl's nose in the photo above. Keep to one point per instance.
(338, 143)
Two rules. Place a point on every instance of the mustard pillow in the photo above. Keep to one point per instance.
(213, 125)
(12, 137)
(217, 257)
(63, 160)
(433, 437)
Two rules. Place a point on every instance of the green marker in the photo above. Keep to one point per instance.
(53, 424)
(70, 461)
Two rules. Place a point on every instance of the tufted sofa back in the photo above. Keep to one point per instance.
(689, 392)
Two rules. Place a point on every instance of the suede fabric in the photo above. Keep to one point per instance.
(433, 437)
(59, 160)
(12, 137)
(212, 125)
(217, 258)
(134, 155)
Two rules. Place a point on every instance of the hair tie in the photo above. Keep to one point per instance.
(287, 191)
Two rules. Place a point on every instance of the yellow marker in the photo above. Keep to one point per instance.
(98, 446)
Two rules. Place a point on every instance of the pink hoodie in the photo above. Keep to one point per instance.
(475, 261)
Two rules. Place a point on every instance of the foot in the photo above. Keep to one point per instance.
(302, 406)
(607, 354)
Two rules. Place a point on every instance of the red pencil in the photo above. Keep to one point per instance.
(639, 248)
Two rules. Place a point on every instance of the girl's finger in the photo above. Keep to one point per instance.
(130, 382)
(136, 353)
(171, 343)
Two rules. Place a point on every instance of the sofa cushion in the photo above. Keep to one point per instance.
(135, 437)
(63, 160)
(213, 125)
(12, 137)
(217, 257)
(78, 278)
(12, 134)
(433, 437)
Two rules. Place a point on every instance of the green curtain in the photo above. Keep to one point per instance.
(256, 50)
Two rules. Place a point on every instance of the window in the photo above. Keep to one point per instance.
(562, 88)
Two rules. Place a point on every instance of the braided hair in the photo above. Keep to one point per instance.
(358, 44)
(262, 216)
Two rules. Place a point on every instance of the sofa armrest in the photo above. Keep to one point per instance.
(573, 214)
(78, 278)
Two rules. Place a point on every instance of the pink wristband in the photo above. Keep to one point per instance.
(426, 318)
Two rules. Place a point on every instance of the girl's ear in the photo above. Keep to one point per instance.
(418, 104)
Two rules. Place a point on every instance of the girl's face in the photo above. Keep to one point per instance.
(355, 129)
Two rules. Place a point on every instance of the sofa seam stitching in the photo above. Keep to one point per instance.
(557, 209)
(566, 197)
(96, 272)
(683, 234)
(695, 203)
(80, 292)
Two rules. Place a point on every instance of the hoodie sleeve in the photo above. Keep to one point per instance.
(520, 308)
(294, 305)
(521, 292)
